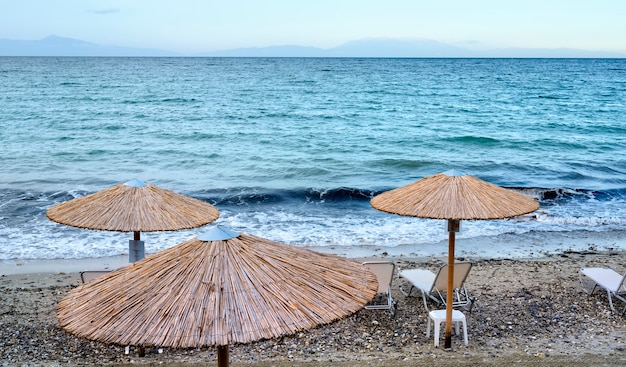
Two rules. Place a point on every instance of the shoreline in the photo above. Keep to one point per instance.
(528, 312)
(52, 266)
(526, 246)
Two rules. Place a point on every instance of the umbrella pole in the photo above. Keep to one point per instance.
(222, 356)
(136, 249)
(449, 294)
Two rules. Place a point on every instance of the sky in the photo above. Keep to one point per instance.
(194, 26)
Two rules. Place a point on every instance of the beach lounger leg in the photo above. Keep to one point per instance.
(585, 283)
(608, 294)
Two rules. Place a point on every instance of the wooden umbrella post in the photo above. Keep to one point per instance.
(222, 356)
(453, 227)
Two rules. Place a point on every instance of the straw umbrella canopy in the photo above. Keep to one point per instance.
(453, 197)
(134, 206)
(214, 290)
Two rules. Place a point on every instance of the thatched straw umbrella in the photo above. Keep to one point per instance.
(453, 197)
(134, 207)
(217, 289)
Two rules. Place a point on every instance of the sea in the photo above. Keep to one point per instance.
(293, 149)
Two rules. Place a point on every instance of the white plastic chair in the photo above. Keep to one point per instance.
(613, 282)
(439, 316)
(384, 271)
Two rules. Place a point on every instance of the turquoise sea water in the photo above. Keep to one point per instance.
(292, 149)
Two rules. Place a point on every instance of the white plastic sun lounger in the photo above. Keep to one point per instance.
(384, 271)
(434, 286)
(613, 282)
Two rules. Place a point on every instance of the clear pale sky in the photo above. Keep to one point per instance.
(190, 26)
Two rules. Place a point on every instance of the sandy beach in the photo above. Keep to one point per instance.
(527, 312)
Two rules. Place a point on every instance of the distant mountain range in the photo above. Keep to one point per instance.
(61, 46)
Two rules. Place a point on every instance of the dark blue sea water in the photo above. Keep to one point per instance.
(292, 149)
